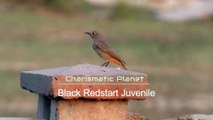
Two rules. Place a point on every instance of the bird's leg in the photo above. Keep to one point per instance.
(107, 64)
(104, 64)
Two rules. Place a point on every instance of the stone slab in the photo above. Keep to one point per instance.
(49, 82)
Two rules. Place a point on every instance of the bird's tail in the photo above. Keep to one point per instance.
(119, 62)
(122, 65)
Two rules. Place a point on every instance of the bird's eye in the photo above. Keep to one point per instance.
(93, 33)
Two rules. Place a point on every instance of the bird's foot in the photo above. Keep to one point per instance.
(105, 64)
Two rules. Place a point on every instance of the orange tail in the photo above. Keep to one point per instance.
(118, 62)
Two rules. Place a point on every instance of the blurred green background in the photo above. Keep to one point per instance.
(177, 56)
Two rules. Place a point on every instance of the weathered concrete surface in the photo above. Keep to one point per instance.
(194, 117)
(201, 117)
(39, 81)
(91, 110)
(135, 116)
(48, 82)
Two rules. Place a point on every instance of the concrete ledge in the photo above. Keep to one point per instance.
(50, 82)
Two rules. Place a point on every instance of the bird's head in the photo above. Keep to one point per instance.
(94, 34)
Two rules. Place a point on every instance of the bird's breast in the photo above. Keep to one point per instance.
(97, 50)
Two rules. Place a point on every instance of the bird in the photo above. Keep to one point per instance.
(103, 49)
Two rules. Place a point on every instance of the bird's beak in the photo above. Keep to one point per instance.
(88, 33)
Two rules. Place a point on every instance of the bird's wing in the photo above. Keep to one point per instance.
(104, 46)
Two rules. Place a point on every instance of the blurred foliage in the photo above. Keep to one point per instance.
(58, 6)
(58, 3)
(122, 10)
(69, 6)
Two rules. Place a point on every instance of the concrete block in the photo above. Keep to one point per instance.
(85, 92)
